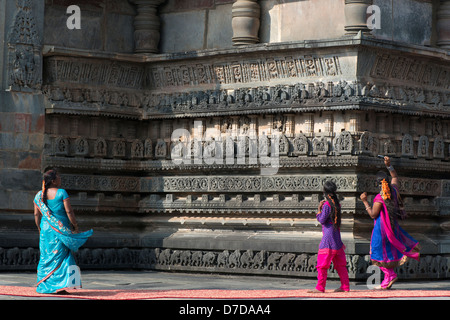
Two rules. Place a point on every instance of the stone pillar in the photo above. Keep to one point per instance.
(356, 16)
(443, 24)
(146, 24)
(354, 123)
(235, 127)
(253, 126)
(245, 22)
(329, 123)
(309, 124)
(290, 125)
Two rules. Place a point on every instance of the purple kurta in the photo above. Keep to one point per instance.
(331, 238)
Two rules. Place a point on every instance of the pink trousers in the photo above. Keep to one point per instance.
(324, 259)
(389, 275)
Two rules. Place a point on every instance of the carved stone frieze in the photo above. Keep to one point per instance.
(240, 72)
(244, 184)
(148, 105)
(257, 262)
(145, 105)
(66, 72)
(409, 70)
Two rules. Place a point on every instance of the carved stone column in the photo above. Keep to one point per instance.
(146, 24)
(245, 22)
(290, 125)
(309, 124)
(356, 16)
(329, 123)
(443, 24)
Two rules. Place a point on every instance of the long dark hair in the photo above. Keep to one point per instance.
(394, 205)
(48, 178)
(329, 190)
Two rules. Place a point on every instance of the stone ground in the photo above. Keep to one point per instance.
(153, 280)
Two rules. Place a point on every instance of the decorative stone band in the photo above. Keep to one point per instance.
(294, 98)
(225, 261)
(244, 184)
(244, 151)
(281, 65)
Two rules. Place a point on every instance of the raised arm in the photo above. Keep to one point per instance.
(372, 211)
(393, 173)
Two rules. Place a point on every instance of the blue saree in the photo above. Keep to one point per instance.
(390, 246)
(57, 269)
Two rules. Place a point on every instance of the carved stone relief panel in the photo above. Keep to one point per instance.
(423, 147)
(243, 184)
(407, 146)
(233, 141)
(24, 47)
(98, 73)
(253, 262)
(247, 71)
(406, 69)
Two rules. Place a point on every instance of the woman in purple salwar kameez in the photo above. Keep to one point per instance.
(390, 245)
(331, 248)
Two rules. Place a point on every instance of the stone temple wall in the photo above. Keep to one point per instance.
(210, 155)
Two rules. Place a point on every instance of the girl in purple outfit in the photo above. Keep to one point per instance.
(331, 248)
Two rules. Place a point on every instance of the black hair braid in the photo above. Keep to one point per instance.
(329, 189)
(49, 177)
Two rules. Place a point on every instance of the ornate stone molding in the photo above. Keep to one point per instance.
(243, 184)
(66, 72)
(405, 69)
(256, 262)
(241, 72)
(300, 97)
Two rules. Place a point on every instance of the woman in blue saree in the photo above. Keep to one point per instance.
(390, 245)
(57, 269)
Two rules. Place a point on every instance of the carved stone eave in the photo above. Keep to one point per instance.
(55, 51)
(121, 112)
(264, 78)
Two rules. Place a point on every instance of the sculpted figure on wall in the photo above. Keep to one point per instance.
(24, 49)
